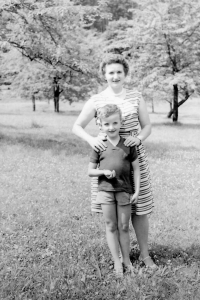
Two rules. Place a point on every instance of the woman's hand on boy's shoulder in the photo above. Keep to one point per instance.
(131, 141)
(97, 143)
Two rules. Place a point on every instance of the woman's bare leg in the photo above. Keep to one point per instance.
(141, 227)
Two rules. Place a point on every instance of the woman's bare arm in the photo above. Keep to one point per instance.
(86, 115)
(144, 121)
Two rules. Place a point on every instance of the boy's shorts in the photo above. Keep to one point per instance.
(121, 198)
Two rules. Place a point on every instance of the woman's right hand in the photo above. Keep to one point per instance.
(97, 142)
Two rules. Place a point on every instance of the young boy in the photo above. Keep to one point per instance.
(115, 192)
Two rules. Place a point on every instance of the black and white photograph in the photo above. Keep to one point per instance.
(99, 150)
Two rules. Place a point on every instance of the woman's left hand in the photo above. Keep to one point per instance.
(131, 141)
(134, 198)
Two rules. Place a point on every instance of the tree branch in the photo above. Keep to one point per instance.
(47, 30)
(40, 57)
(189, 35)
(173, 60)
(15, 11)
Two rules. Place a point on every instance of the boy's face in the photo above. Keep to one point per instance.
(111, 125)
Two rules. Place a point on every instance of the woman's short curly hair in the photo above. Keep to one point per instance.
(112, 58)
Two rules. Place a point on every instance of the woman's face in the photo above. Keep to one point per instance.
(115, 76)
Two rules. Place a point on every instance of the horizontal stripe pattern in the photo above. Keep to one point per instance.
(129, 107)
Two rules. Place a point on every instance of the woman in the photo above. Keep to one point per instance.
(115, 68)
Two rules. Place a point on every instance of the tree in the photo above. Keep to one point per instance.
(56, 91)
(54, 33)
(162, 43)
(166, 48)
(26, 78)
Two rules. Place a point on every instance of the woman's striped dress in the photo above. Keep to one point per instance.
(129, 107)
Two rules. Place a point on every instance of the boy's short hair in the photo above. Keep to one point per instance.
(107, 111)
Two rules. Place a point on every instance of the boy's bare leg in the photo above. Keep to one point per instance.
(124, 213)
(110, 216)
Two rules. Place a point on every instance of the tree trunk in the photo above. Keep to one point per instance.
(56, 103)
(33, 101)
(170, 110)
(56, 94)
(152, 105)
(175, 103)
(187, 95)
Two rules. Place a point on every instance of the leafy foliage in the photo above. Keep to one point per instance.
(161, 39)
(166, 48)
(117, 8)
(168, 31)
(54, 32)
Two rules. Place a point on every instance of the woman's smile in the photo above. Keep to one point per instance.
(115, 76)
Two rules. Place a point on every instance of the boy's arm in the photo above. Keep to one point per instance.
(94, 172)
(92, 168)
(136, 177)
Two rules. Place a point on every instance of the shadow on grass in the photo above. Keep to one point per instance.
(8, 126)
(10, 114)
(44, 110)
(69, 144)
(179, 125)
(70, 113)
(167, 255)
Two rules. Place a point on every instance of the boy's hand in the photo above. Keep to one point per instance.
(109, 174)
(134, 198)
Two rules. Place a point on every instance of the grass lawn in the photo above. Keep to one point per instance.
(53, 247)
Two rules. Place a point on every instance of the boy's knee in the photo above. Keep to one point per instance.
(124, 227)
(111, 226)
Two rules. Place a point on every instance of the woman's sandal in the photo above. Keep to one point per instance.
(153, 266)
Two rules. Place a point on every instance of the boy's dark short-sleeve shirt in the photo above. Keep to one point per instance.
(116, 158)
